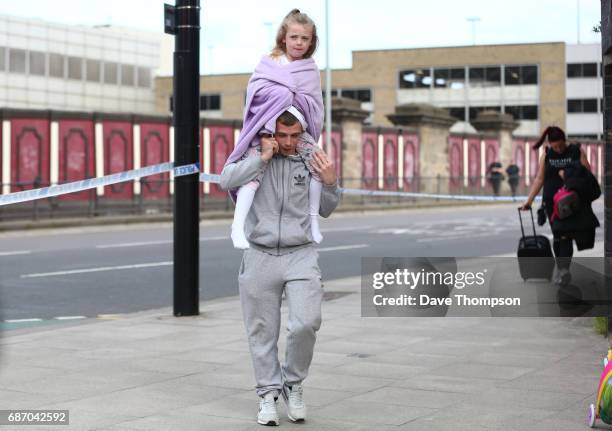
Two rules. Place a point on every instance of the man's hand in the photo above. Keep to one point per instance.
(324, 168)
(269, 147)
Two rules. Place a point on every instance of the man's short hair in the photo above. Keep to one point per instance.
(287, 119)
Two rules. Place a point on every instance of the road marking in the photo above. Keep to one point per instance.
(447, 238)
(341, 229)
(70, 317)
(14, 253)
(133, 244)
(100, 269)
(144, 243)
(343, 247)
(22, 320)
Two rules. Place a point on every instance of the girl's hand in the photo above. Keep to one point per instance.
(324, 168)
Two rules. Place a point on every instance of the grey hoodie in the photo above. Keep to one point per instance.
(278, 222)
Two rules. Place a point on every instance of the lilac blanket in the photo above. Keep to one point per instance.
(272, 89)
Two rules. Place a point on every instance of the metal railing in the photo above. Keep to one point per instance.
(90, 204)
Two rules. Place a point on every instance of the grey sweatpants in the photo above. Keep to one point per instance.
(261, 280)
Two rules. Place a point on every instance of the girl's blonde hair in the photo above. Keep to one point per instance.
(295, 17)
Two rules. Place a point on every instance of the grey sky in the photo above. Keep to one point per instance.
(234, 34)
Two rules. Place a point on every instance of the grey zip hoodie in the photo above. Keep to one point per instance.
(278, 222)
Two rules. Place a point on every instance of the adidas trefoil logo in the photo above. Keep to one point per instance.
(300, 180)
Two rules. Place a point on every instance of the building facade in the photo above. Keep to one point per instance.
(54, 66)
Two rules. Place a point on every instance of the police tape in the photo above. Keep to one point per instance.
(178, 171)
(434, 196)
(90, 183)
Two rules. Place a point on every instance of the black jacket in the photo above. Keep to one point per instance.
(580, 226)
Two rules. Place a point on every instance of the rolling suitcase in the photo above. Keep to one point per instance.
(534, 254)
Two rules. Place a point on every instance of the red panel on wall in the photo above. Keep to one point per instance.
(411, 162)
(336, 151)
(594, 159)
(390, 169)
(76, 155)
(29, 153)
(455, 161)
(154, 149)
(369, 163)
(221, 146)
(518, 156)
(534, 158)
(491, 151)
(1, 141)
(474, 161)
(118, 157)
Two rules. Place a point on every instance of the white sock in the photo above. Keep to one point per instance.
(314, 197)
(244, 200)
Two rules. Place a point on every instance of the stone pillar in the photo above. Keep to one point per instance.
(500, 126)
(432, 125)
(350, 116)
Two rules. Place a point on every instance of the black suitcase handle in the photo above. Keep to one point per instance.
(532, 222)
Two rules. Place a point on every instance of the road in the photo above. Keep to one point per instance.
(65, 274)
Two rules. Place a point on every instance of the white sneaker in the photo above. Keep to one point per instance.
(294, 397)
(267, 414)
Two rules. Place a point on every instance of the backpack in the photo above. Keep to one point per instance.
(565, 204)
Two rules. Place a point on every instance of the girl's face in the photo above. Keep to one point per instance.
(557, 146)
(297, 41)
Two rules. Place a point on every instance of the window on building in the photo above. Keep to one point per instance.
(582, 70)
(475, 110)
(449, 78)
(417, 78)
(144, 77)
(17, 60)
(485, 76)
(2, 58)
(458, 113)
(522, 112)
(110, 73)
(521, 75)
(93, 70)
(56, 65)
(75, 69)
(581, 105)
(37, 63)
(127, 75)
(363, 95)
(210, 102)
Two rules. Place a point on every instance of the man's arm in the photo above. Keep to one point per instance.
(241, 172)
(330, 196)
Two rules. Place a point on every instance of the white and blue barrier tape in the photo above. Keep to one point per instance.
(90, 183)
(434, 196)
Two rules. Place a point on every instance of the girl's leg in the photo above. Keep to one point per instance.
(314, 198)
(244, 200)
(306, 148)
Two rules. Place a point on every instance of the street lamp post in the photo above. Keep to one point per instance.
(328, 84)
(183, 21)
(473, 20)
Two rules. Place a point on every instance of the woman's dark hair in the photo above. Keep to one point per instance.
(553, 133)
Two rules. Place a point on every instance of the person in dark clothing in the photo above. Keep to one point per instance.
(557, 157)
(580, 225)
(513, 177)
(495, 176)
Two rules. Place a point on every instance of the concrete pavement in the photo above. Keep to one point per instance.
(152, 371)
